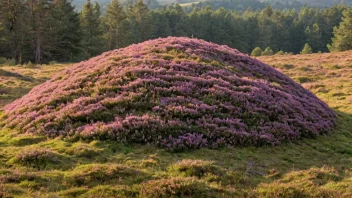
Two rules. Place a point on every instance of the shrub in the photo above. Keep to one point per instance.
(10, 62)
(2, 60)
(304, 79)
(176, 187)
(280, 52)
(267, 52)
(53, 63)
(306, 49)
(334, 67)
(35, 157)
(30, 64)
(256, 51)
(195, 168)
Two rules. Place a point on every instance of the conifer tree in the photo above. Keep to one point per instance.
(14, 33)
(142, 26)
(314, 37)
(342, 39)
(306, 49)
(256, 52)
(41, 23)
(67, 35)
(114, 22)
(267, 52)
(92, 41)
(160, 24)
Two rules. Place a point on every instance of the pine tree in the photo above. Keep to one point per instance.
(14, 33)
(267, 52)
(256, 52)
(67, 36)
(141, 23)
(342, 40)
(161, 24)
(306, 49)
(113, 20)
(41, 20)
(92, 41)
(266, 28)
(314, 37)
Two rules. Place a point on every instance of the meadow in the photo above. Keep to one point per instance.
(37, 166)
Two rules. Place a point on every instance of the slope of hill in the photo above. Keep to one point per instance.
(174, 92)
(318, 3)
(154, 3)
(34, 166)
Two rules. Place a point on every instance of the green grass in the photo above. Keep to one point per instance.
(320, 167)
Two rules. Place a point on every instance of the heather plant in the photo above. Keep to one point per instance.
(177, 187)
(201, 95)
(37, 158)
(195, 168)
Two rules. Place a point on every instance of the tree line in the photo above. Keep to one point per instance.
(51, 30)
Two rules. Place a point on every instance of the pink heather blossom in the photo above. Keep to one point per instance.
(178, 93)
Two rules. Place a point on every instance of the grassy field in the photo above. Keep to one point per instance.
(34, 166)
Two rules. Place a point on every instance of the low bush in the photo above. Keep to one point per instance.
(37, 158)
(196, 168)
(82, 150)
(177, 187)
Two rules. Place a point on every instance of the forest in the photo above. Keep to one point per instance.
(46, 31)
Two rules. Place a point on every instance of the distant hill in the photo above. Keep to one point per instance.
(103, 3)
(318, 3)
(157, 3)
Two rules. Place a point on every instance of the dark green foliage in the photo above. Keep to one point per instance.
(92, 40)
(115, 23)
(342, 40)
(306, 49)
(256, 52)
(35, 157)
(267, 52)
(51, 30)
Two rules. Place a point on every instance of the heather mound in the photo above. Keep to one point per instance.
(177, 93)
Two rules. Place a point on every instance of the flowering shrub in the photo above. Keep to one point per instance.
(35, 157)
(178, 93)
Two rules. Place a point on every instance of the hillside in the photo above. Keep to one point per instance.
(174, 92)
(320, 167)
(318, 3)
